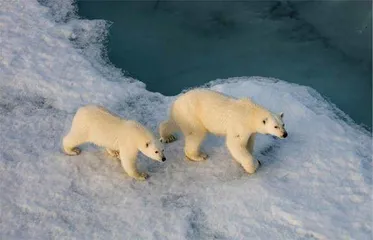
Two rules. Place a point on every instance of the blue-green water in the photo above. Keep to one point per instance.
(171, 46)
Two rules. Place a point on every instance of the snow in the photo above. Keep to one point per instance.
(316, 184)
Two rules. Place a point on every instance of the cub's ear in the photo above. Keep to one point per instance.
(265, 121)
(147, 144)
(281, 114)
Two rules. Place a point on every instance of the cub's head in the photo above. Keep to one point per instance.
(154, 150)
(273, 124)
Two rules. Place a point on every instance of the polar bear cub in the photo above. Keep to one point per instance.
(202, 111)
(122, 138)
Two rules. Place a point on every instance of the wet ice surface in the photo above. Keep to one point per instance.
(316, 184)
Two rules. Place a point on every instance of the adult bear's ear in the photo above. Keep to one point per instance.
(147, 144)
(265, 121)
(281, 114)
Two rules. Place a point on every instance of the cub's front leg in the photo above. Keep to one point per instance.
(128, 160)
(250, 143)
(237, 146)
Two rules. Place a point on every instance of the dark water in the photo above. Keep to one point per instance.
(171, 46)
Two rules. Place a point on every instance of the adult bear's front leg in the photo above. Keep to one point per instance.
(237, 146)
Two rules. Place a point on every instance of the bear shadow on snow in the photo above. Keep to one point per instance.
(267, 155)
(266, 150)
(220, 161)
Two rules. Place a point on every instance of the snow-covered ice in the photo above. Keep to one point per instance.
(316, 184)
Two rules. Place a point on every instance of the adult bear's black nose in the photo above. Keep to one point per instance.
(285, 135)
(163, 159)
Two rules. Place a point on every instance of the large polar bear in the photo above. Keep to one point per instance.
(202, 111)
(122, 138)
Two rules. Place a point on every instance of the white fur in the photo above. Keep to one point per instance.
(202, 111)
(122, 138)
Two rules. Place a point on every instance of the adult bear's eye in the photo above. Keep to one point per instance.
(156, 151)
(276, 127)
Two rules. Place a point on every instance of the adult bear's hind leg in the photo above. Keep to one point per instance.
(71, 142)
(193, 141)
(112, 153)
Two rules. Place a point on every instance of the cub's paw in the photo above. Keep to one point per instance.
(168, 139)
(72, 152)
(250, 170)
(141, 176)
